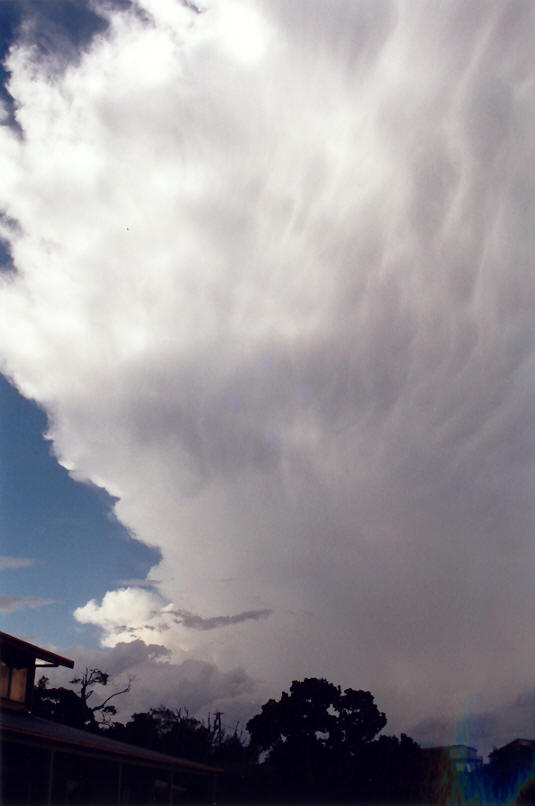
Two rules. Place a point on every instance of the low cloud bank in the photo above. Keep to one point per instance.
(194, 685)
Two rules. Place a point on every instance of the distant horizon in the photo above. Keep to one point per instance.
(61, 677)
(104, 693)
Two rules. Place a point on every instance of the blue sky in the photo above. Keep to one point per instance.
(267, 288)
(76, 546)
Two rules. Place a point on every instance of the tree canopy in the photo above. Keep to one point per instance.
(314, 734)
(318, 712)
(315, 743)
(71, 708)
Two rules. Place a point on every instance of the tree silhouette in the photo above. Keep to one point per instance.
(314, 735)
(61, 705)
(72, 708)
(91, 677)
(175, 732)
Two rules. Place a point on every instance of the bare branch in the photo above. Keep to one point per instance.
(115, 694)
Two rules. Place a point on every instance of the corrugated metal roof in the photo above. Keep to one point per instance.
(21, 725)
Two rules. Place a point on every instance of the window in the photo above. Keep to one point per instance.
(13, 682)
(18, 684)
(4, 679)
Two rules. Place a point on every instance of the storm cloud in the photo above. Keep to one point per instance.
(195, 686)
(273, 290)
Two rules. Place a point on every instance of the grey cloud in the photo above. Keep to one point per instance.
(10, 603)
(139, 583)
(336, 29)
(131, 629)
(6, 259)
(195, 622)
(8, 227)
(192, 684)
(124, 655)
(15, 562)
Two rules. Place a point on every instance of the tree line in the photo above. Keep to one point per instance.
(315, 743)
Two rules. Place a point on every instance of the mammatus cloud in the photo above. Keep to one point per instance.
(10, 603)
(15, 562)
(274, 293)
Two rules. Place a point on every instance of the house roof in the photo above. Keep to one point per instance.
(516, 744)
(523, 742)
(36, 652)
(448, 747)
(33, 729)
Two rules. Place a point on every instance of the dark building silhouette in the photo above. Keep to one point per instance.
(462, 757)
(512, 770)
(44, 762)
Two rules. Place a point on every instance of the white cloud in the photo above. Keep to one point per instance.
(281, 309)
(133, 612)
(122, 613)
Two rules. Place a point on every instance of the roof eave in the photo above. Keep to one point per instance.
(37, 651)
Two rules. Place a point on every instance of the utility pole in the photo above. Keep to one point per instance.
(218, 730)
